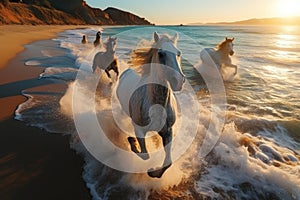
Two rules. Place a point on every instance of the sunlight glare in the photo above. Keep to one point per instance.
(288, 8)
(285, 41)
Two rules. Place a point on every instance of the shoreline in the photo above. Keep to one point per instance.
(34, 164)
(13, 39)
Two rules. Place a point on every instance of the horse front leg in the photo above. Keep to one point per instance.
(107, 73)
(235, 67)
(167, 137)
(116, 71)
(141, 141)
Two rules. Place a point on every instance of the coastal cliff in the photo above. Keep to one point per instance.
(62, 12)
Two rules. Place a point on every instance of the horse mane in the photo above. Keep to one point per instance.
(223, 44)
(142, 55)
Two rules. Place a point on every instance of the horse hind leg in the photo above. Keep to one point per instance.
(113, 67)
(167, 137)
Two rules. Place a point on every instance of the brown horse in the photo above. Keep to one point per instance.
(219, 55)
(84, 39)
(98, 41)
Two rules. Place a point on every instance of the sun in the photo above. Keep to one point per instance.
(288, 8)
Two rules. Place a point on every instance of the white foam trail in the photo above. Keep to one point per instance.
(33, 63)
(59, 73)
(249, 176)
(181, 169)
(234, 169)
(228, 74)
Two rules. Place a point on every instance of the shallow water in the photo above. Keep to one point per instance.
(253, 155)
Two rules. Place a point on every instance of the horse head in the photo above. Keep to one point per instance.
(229, 45)
(167, 55)
(111, 44)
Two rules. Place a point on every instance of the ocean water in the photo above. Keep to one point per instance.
(247, 133)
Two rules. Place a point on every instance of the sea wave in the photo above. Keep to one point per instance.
(256, 157)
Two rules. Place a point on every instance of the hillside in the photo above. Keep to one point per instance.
(62, 12)
(263, 21)
(122, 17)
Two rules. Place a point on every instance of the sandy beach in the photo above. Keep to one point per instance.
(12, 40)
(33, 163)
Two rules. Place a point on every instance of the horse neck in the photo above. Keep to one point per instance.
(224, 53)
(159, 93)
(110, 52)
(155, 73)
(159, 88)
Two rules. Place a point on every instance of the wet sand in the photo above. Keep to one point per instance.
(12, 40)
(34, 164)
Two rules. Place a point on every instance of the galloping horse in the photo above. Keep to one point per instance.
(148, 97)
(84, 39)
(98, 41)
(219, 55)
(107, 60)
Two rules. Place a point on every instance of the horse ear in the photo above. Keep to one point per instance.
(175, 38)
(226, 38)
(156, 36)
(232, 39)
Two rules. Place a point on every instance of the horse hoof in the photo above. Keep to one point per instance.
(157, 173)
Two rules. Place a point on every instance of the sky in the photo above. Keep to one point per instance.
(167, 12)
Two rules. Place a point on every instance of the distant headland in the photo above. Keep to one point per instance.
(262, 21)
(63, 12)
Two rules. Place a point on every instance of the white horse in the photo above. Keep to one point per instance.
(107, 60)
(220, 55)
(148, 98)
